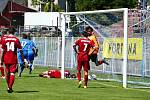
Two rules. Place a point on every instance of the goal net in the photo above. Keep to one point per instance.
(138, 69)
(110, 27)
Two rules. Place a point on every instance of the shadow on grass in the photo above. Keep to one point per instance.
(25, 91)
(30, 76)
(97, 87)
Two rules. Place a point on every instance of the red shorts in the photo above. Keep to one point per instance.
(85, 65)
(11, 68)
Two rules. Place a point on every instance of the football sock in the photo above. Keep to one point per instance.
(21, 69)
(7, 79)
(79, 76)
(11, 81)
(97, 63)
(103, 61)
(30, 68)
(80, 83)
(85, 80)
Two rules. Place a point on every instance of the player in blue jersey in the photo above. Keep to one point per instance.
(25, 45)
(32, 52)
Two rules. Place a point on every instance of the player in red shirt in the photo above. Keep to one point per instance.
(54, 73)
(10, 44)
(84, 44)
(4, 32)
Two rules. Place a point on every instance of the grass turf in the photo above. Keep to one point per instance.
(32, 87)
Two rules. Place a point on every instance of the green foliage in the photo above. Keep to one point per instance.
(35, 2)
(87, 5)
(47, 5)
(57, 8)
(71, 5)
(148, 1)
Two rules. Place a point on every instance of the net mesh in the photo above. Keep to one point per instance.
(139, 69)
(109, 28)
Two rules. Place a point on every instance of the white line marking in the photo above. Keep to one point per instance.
(106, 84)
(122, 88)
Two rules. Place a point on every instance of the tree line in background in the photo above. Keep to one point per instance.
(89, 5)
(83, 5)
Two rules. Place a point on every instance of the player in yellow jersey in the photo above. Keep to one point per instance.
(93, 55)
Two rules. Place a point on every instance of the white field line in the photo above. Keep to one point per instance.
(119, 87)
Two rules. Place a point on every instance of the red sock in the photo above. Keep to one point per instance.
(2, 71)
(79, 76)
(85, 80)
(11, 81)
(7, 80)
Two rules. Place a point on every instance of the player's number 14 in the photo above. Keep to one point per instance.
(10, 46)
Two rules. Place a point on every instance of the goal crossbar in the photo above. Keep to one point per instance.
(96, 11)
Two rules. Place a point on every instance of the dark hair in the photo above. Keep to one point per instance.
(88, 27)
(24, 36)
(11, 30)
(85, 34)
(29, 36)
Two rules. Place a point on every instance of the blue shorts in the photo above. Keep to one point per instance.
(30, 55)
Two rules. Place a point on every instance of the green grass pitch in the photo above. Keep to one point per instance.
(32, 87)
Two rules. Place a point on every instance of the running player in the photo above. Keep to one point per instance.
(25, 45)
(32, 52)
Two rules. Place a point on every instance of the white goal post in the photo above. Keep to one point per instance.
(125, 32)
